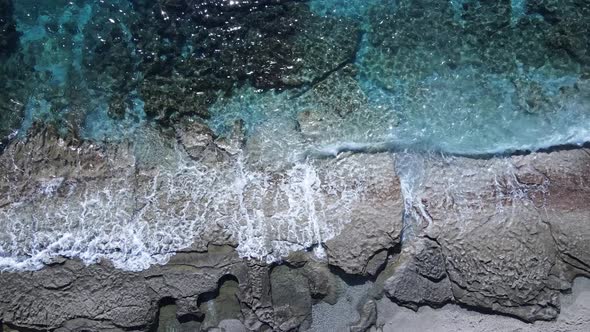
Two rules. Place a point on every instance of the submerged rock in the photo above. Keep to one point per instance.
(8, 34)
(204, 47)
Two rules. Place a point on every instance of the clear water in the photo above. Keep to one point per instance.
(305, 78)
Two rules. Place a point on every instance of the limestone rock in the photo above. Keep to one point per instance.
(420, 277)
(376, 221)
(499, 223)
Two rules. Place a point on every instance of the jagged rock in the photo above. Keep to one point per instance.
(368, 317)
(322, 283)
(97, 293)
(430, 262)
(420, 277)
(232, 325)
(101, 297)
(375, 224)
(291, 299)
(194, 136)
(497, 224)
(505, 234)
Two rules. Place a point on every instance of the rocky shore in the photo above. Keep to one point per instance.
(502, 235)
(286, 165)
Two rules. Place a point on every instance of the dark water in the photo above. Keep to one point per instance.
(458, 76)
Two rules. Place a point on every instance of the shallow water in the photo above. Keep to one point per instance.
(304, 79)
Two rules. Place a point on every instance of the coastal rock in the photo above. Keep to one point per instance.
(420, 277)
(266, 215)
(376, 221)
(500, 234)
(368, 317)
(497, 224)
(291, 298)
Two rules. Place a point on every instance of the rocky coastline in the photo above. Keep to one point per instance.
(213, 165)
(503, 235)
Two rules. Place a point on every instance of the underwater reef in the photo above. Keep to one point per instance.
(290, 165)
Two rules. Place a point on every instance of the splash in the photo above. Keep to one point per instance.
(141, 215)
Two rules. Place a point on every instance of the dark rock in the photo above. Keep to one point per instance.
(222, 305)
(208, 47)
(8, 34)
(322, 282)
(420, 278)
(430, 262)
(291, 299)
(168, 99)
(194, 136)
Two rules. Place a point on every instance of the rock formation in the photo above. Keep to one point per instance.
(243, 165)
(503, 234)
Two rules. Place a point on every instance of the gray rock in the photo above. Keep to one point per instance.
(419, 277)
(232, 325)
(323, 284)
(503, 234)
(498, 223)
(291, 299)
(376, 223)
(368, 317)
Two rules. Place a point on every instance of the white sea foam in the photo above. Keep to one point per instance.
(139, 219)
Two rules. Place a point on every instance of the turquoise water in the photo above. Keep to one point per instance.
(299, 80)
(463, 77)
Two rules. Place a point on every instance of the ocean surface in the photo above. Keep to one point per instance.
(304, 80)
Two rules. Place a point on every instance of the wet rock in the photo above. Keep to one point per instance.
(194, 136)
(425, 40)
(532, 98)
(222, 305)
(374, 226)
(497, 228)
(167, 99)
(320, 47)
(291, 298)
(270, 45)
(340, 93)
(501, 234)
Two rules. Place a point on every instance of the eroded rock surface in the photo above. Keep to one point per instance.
(501, 225)
(502, 234)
